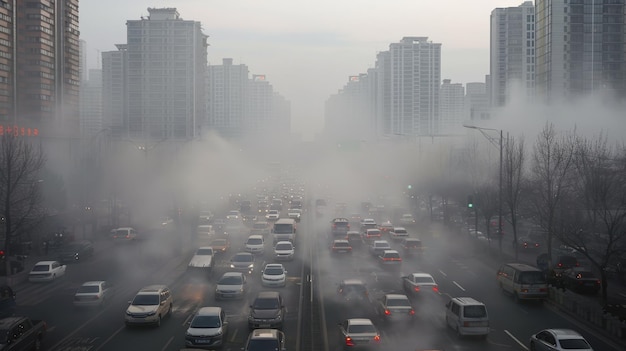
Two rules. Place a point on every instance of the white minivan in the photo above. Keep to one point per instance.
(467, 316)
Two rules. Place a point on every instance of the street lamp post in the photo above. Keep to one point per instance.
(499, 144)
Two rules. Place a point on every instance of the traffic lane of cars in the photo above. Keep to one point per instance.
(477, 277)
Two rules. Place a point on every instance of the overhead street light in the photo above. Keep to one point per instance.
(499, 144)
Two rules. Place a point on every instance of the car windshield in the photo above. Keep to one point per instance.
(263, 345)
(266, 304)
(475, 311)
(255, 241)
(205, 322)
(218, 242)
(361, 328)
(230, 280)
(86, 289)
(146, 300)
(204, 252)
(353, 288)
(273, 271)
(283, 247)
(41, 268)
(341, 244)
(532, 278)
(574, 344)
(243, 258)
(398, 302)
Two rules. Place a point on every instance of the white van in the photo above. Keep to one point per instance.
(284, 230)
(467, 316)
(522, 281)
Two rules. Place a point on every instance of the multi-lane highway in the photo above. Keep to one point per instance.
(313, 308)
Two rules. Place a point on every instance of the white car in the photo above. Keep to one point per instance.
(272, 215)
(124, 234)
(255, 244)
(419, 283)
(203, 258)
(207, 329)
(559, 339)
(294, 213)
(407, 219)
(284, 250)
(274, 274)
(95, 293)
(232, 285)
(151, 304)
(46, 271)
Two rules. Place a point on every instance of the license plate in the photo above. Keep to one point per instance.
(202, 341)
(264, 325)
(343, 251)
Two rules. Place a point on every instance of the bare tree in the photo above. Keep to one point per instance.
(513, 169)
(552, 163)
(20, 166)
(594, 220)
(487, 203)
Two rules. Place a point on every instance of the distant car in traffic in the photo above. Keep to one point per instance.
(93, 293)
(407, 219)
(339, 226)
(208, 328)
(272, 215)
(267, 311)
(220, 245)
(124, 234)
(398, 233)
(232, 285)
(377, 247)
(284, 250)
(149, 306)
(395, 307)
(581, 280)
(274, 275)
(340, 246)
(417, 284)
(358, 332)
(354, 291)
(242, 262)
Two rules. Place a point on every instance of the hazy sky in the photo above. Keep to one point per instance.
(307, 49)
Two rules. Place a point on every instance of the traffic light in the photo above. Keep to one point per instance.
(470, 201)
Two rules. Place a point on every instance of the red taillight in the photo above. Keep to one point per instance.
(560, 264)
(349, 341)
(435, 288)
(417, 288)
(387, 312)
(412, 312)
(377, 338)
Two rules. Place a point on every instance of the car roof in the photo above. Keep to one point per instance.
(373, 230)
(360, 321)
(421, 275)
(232, 274)
(268, 294)
(396, 296)
(381, 242)
(565, 333)
(255, 236)
(390, 252)
(45, 263)
(152, 288)
(265, 334)
(398, 228)
(341, 241)
(243, 254)
(272, 265)
(352, 282)
(209, 311)
(94, 282)
(124, 228)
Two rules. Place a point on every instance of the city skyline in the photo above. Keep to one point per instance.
(320, 45)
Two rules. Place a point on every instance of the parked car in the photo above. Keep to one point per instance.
(46, 271)
(93, 293)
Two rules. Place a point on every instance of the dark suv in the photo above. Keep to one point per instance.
(340, 226)
(267, 311)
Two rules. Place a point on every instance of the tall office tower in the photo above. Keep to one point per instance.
(166, 64)
(227, 91)
(512, 53)
(267, 112)
(580, 49)
(39, 65)
(477, 105)
(451, 107)
(91, 105)
(84, 72)
(114, 92)
(409, 81)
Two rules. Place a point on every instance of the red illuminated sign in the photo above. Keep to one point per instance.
(18, 131)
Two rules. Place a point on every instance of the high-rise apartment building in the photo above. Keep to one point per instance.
(451, 108)
(166, 60)
(114, 91)
(39, 65)
(477, 106)
(409, 81)
(227, 90)
(580, 48)
(512, 53)
(91, 105)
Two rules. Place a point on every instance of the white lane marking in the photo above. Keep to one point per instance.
(515, 339)
(232, 338)
(167, 343)
(622, 294)
(457, 284)
(78, 329)
(442, 273)
(108, 339)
